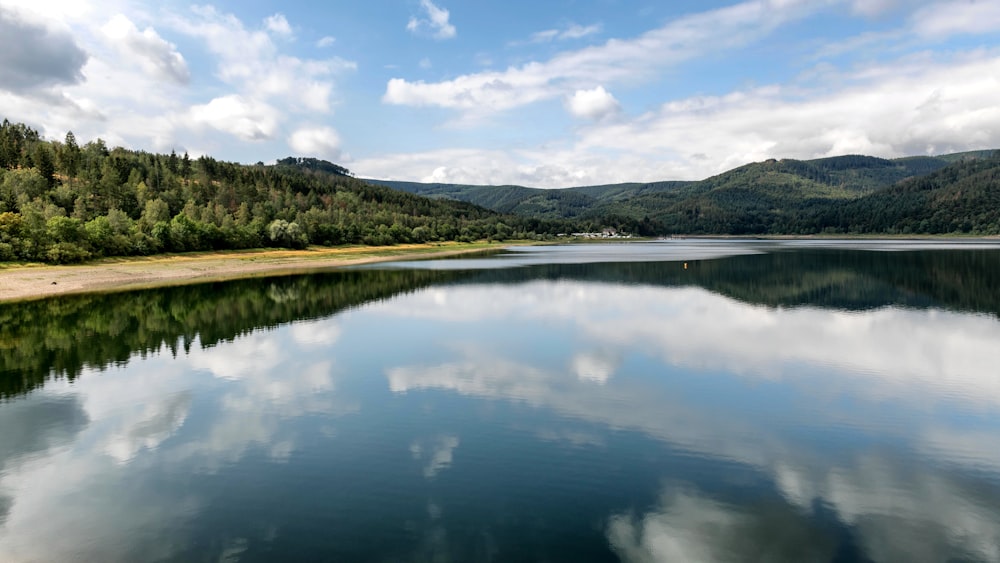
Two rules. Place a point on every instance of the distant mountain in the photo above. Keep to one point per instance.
(535, 202)
(772, 197)
(963, 197)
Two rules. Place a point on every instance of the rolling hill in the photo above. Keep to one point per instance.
(843, 194)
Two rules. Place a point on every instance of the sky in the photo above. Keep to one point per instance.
(544, 94)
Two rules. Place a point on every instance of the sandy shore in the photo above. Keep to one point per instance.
(19, 283)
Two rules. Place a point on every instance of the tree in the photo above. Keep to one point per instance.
(173, 162)
(186, 166)
(69, 156)
(20, 184)
(283, 233)
(45, 164)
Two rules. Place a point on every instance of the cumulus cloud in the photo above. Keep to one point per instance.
(479, 167)
(247, 119)
(252, 62)
(435, 21)
(147, 48)
(321, 142)
(326, 41)
(906, 107)
(34, 56)
(597, 103)
(278, 25)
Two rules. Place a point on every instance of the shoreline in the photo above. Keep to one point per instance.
(29, 282)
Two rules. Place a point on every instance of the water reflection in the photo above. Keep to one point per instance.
(687, 526)
(832, 406)
(909, 355)
(898, 407)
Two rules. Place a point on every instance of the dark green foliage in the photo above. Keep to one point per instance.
(121, 202)
(314, 164)
(963, 197)
(583, 202)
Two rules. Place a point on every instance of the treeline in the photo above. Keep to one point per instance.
(63, 202)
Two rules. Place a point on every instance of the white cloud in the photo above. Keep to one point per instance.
(909, 106)
(326, 41)
(617, 60)
(436, 21)
(481, 167)
(247, 119)
(146, 47)
(592, 104)
(576, 31)
(278, 25)
(871, 8)
(250, 61)
(53, 10)
(958, 17)
(905, 107)
(573, 31)
(322, 142)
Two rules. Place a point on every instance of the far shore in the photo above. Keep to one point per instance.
(23, 282)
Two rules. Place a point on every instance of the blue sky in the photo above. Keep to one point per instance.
(546, 94)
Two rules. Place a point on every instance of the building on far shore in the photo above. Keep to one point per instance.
(610, 232)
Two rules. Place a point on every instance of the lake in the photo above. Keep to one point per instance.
(682, 400)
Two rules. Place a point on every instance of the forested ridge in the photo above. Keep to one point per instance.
(65, 202)
(851, 194)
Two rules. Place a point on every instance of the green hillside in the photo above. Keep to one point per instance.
(550, 204)
(62, 202)
(843, 194)
(963, 197)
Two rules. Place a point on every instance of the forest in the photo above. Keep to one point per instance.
(66, 202)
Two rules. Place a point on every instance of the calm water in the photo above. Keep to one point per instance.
(672, 401)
